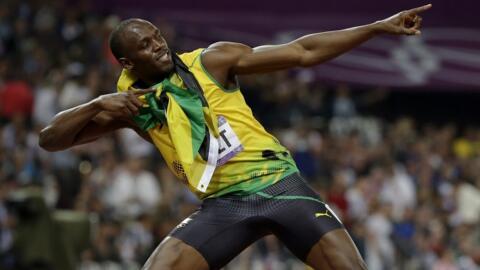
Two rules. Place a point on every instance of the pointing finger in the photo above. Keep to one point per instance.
(419, 9)
(140, 92)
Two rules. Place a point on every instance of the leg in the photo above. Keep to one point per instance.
(335, 250)
(322, 242)
(174, 254)
(210, 237)
(309, 228)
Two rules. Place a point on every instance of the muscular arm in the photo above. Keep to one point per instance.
(226, 59)
(106, 122)
(89, 121)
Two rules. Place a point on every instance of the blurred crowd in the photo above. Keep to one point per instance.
(409, 193)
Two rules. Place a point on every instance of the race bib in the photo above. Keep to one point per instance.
(229, 144)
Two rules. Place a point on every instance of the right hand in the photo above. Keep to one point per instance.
(125, 104)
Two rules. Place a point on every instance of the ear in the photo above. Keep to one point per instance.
(126, 63)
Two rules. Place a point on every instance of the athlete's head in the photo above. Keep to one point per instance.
(140, 48)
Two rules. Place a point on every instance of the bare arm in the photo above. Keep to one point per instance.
(226, 59)
(89, 121)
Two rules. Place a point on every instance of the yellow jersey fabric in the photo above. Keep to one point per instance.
(253, 158)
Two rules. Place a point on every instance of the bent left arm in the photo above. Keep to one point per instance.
(226, 59)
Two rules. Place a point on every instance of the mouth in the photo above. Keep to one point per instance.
(163, 56)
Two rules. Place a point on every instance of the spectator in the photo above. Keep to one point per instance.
(133, 191)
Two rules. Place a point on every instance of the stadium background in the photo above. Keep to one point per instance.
(388, 134)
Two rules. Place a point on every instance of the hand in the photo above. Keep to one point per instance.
(404, 23)
(123, 104)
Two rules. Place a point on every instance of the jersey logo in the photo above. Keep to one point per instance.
(320, 214)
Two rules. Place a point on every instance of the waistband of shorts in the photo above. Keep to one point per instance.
(283, 186)
(286, 184)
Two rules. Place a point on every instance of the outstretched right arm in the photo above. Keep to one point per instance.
(87, 122)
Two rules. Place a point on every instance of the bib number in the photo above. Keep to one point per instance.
(229, 144)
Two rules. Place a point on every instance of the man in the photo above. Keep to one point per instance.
(252, 188)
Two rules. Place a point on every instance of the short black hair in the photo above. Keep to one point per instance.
(116, 37)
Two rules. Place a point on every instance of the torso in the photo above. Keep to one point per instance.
(262, 161)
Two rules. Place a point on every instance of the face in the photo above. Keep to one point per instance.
(147, 53)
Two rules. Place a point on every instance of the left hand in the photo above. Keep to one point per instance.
(404, 23)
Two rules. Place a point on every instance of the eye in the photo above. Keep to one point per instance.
(145, 44)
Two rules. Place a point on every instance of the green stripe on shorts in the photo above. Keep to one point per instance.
(291, 197)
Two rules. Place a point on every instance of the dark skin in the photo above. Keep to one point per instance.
(148, 57)
(147, 54)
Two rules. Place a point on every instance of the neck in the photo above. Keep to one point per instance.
(152, 80)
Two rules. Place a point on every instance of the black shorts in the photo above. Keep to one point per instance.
(289, 209)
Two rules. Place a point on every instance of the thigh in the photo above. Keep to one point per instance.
(220, 230)
(335, 251)
(300, 217)
(174, 254)
(311, 230)
(303, 224)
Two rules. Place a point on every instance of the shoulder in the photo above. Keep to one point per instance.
(226, 49)
(228, 46)
(189, 57)
(224, 54)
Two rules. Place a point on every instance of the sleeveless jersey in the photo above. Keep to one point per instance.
(250, 157)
